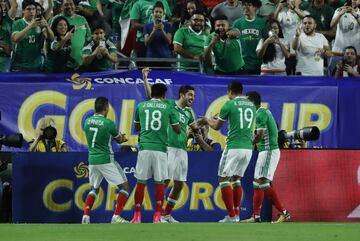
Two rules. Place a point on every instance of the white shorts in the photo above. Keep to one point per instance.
(151, 163)
(266, 164)
(177, 164)
(234, 162)
(112, 172)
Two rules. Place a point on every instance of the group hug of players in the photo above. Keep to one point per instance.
(163, 124)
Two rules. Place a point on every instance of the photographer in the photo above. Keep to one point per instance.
(193, 142)
(225, 46)
(46, 140)
(100, 52)
(349, 66)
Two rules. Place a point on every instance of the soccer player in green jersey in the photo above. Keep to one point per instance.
(100, 131)
(152, 119)
(240, 113)
(177, 158)
(268, 159)
(28, 35)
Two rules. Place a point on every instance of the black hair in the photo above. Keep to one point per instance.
(235, 87)
(199, 12)
(158, 4)
(26, 3)
(184, 89)
(41, 7)
(254, 97)
(270, 52)
(350, 47)
(310, 16)
(255, 3)
(99, 25)
(158, 90)
(55, 23)
(199, 7)
(101, 103)
(221, 17)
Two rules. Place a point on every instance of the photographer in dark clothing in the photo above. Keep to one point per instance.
(46, 140)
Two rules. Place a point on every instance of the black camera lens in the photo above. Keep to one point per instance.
(50, 133)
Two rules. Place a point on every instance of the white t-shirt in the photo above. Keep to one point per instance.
(278, 64)
(347, 32)
(309, 61)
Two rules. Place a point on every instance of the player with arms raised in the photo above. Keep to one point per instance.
(100, 131)
(152, 119)
(177, 154)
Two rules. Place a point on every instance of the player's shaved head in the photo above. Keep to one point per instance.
(235, 87)
(158, 90)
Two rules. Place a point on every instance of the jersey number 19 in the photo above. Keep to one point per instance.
(247, 116)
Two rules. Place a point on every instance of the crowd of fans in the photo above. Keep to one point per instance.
(267, 37)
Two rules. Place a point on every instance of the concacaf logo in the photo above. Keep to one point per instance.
(80, 83)
(81, 170)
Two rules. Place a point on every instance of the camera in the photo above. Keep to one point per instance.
(309, 133)
(12, 140)
(49, 133)
(271, 33)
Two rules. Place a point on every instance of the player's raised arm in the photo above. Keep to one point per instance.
(145, 73)
(214, 122)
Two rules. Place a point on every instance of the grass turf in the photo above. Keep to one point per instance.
(181, 232)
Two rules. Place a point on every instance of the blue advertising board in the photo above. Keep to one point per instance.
(295, 102)
(51, 188)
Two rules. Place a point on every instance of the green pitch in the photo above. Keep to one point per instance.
(181, 232)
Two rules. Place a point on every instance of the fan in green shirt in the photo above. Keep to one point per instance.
(225, 46)
(82, 32)
(251, 29)
(189, 42)
(100, 52)
(28, 35)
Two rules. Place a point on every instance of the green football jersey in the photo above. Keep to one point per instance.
(100, 63)
(193, 43)
(250, 34)
(240, 114)
(228, 54)
(27, 52)
(99, 133)
(266, 121)
(154, 117)
(186, 118)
